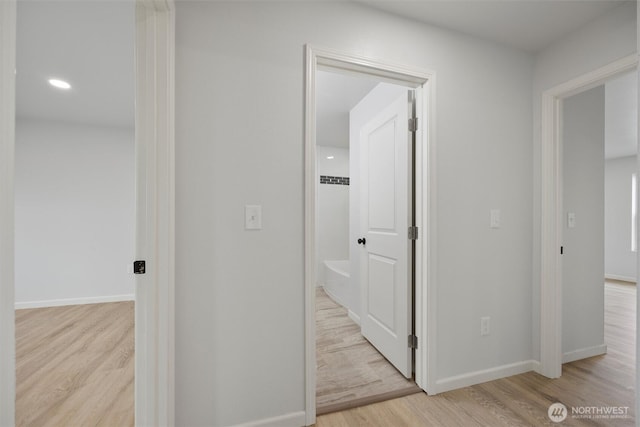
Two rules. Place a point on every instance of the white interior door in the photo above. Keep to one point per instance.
(385, 215)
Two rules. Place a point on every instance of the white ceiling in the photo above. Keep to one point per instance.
(529, 25)
(91, 44)
(336, 95)
(621, 116)
(88, 43)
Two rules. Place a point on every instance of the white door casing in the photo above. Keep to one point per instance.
(7, 131)
(385, 218)
(155, 208)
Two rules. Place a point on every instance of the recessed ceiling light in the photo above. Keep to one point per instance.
(60, 84)
(329, 157)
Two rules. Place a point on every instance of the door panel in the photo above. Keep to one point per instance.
(385, 213)
(381, 154)
(381, 273)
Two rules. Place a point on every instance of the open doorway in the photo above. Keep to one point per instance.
(554, 217)
(599, 161)
(75, 213)
(357, 364)
(419, 239)
(154, 71)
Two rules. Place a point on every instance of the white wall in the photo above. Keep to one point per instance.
(74, 198)
(332, 208)
(239, 140)
(610, 37)
(583, 195)
(380, 97)
(619, 261)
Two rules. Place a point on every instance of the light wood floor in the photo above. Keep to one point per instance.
(75, 368)
(523, 400)
(350, 371)
(75, 365)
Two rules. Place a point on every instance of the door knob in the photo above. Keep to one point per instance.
(362, 241)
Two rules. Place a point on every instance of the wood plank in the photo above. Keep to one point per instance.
(523, 400)
(75, 365)
(351, 372)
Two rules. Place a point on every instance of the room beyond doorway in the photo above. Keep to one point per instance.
(365, 257)
(155, 238)
(75, 213)
(420, 81)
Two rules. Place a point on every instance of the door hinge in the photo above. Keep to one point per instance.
(413, 341)
(413, 233)
(561, 250)
(139, 267)
(413, 124)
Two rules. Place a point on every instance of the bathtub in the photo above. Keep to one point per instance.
(337, 280)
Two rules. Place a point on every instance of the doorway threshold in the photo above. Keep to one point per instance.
(367, 400)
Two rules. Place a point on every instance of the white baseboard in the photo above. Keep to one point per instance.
(536, 367)
(353, 316)
(477, 377)
(583, 353)
(621, 278)
(74, 301)
(294, 419)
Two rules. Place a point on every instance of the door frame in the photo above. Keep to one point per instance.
(155, 213)
(155, 206)
(551, 208)
(7, 136)
(425, 301)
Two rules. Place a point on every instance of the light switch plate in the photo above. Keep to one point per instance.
(485, 328)
(253, 217)
(495, 218)
(571, 220)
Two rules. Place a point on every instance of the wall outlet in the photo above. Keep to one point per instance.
(484, 326)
